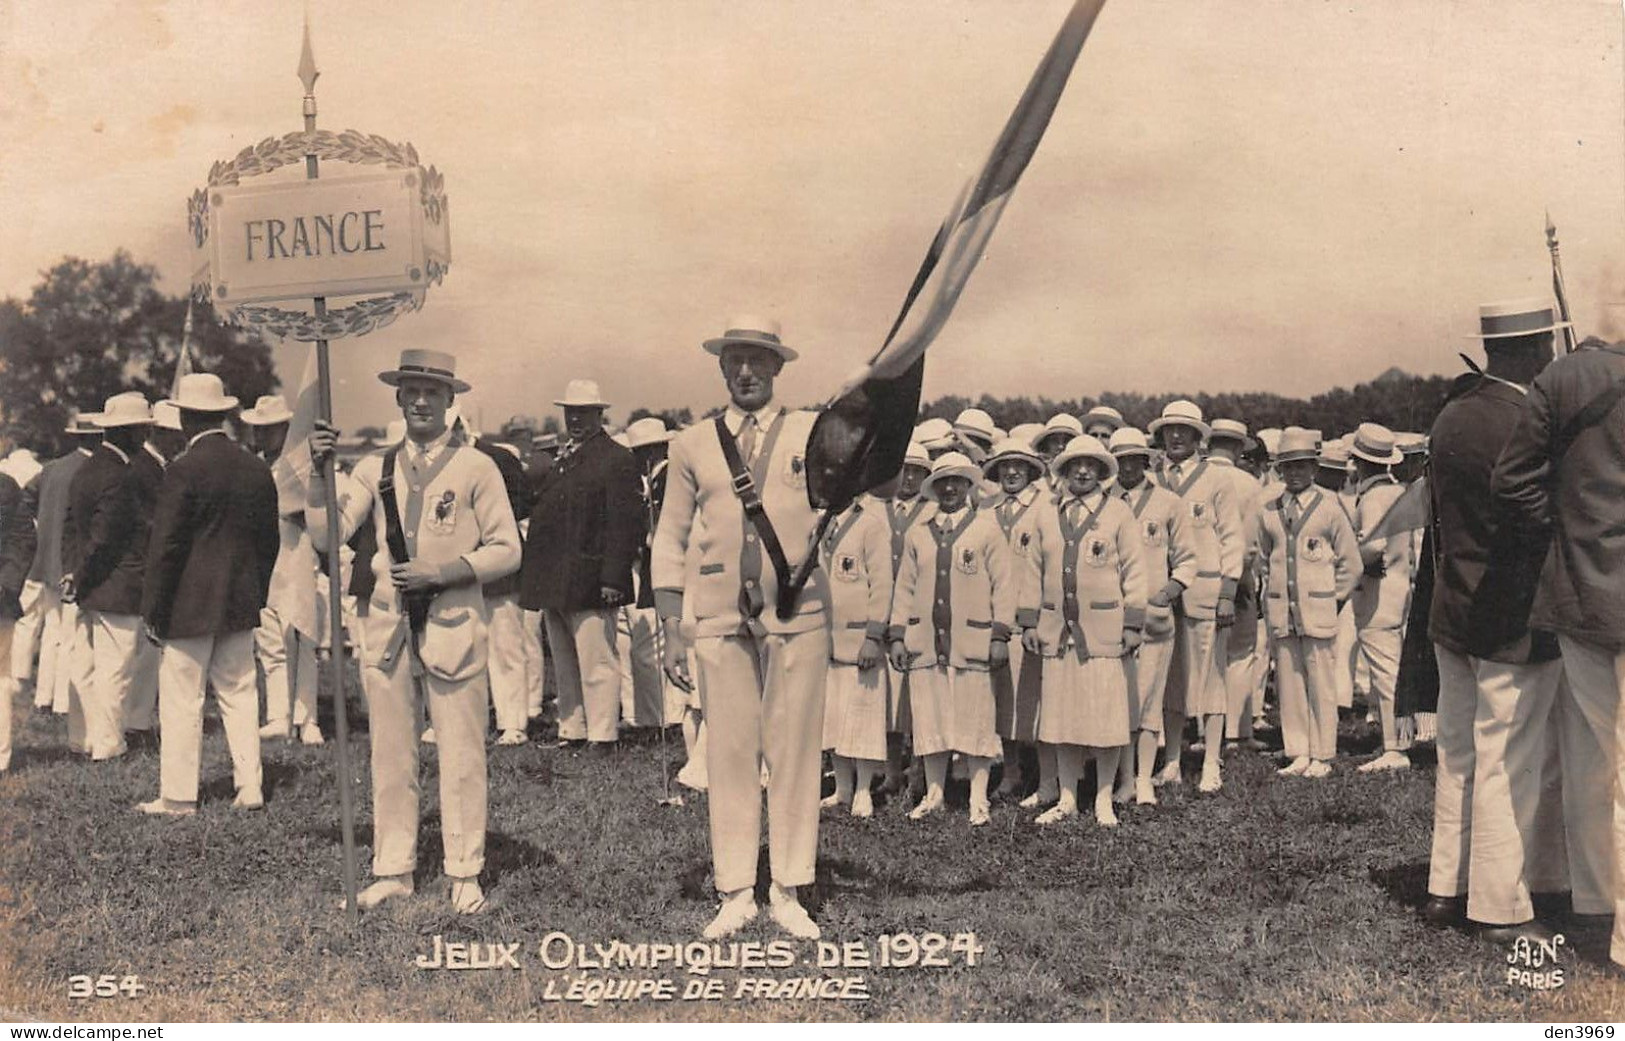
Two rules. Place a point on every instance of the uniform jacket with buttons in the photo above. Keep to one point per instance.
(953, 598)
(1167, 551)
(901, 517)
(214, 542)
(1312, 567)
(856, 555)
(1214, 518)
(108, 530)
(455, 508)
(702, 511)
(1381, 602)
(1088, 588)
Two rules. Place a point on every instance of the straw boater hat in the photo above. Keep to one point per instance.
(434, 365)
(545, 442)
(582, 394)
(973, 422)
(1374, 443)
(750, 329)
(1334, 454)
(1085, 447)
(1129, 441)
(1180, 413)
(916, 455)
(202, 392)
(1103, 414)
(1297, 443)
(1505, 318)
(269, 410)
(650, 430)
(950, 464)
(1231, 429)
(1411, 443)
(1013, 448)
(1027, 432)
(81, 423)
(129, 409)
(165, 416)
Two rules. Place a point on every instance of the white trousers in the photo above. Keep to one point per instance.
(1306, 686)
(1378, 651)
(588, 672)
(764, 702)
(25, 638)
(1492, 756)
(535, 662)
(8, 689)
(188, 666)
(288, 659)
(115, 643)
(457, 711)
(506, 662)
(1594, 780)
(73, 675)
(646, 698)
(141, 704)
(1344, 646)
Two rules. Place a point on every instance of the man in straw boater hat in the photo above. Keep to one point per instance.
(444, 527)
(1313, 561)
(285, 642)
(1560, 480)
(1018, 472)
(1383, 594)
(1227, 442)
(108, 524)
(1498, 677)
(585, 532)
(164, 442)
(214, 544)
(65, 661)
(1169, 561)
(1207, 608)
(741, 481)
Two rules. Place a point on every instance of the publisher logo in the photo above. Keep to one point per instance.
(1534, 964)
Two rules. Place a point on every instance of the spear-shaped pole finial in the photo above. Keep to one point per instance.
(308, 72)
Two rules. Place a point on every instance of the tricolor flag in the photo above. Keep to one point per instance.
(859, 440)
(183, 363)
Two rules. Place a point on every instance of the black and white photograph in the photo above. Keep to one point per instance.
(580, 512)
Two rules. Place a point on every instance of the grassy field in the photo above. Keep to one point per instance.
(1272, 900)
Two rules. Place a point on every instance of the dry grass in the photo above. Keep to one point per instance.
(1272, 901)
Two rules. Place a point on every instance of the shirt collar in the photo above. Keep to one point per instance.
(116, 450)
(1519, 387)
(430, 450)
(86, 452)
(200, 436)
(734, 416)
(1088, 502)
(157, 455)
(944, 521)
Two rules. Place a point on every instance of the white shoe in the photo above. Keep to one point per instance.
(932, 803)
(1211, 781)
(833, 799)
(1105, 816)
(863, 804)
(167, 808)
(1144, 794)
(695, 780)
(311, 734)
(115, 752)
(387, 888)
(1039, 798)
(1198, 745)
(1318, 769)
(1169, 774)
(510, 738)
(276, 729)
(1390, 760)
(980, 814)
(249, 799)
(794, 919)
(733, 916)
(466, 896)
(428, 736)
(1295, 768)
(1056, 814)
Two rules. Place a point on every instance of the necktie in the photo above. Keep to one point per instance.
(747, 440)
(1291, 511)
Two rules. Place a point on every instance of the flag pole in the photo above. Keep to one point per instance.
(183, 359)
(329, 478)
(1558, 288)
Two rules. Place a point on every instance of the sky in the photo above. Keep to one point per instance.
(1283, 195)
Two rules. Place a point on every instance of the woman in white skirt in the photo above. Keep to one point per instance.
(1083, 608)
(952, 613)
(856, 555)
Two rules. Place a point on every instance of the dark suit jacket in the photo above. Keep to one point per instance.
(585, 531)
(51, 510)
(1481, 568)
(108, 532)
(1572, 497)
(519, 500)
(16, 545)
(214, 542)
(654, 493)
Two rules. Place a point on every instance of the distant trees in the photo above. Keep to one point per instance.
(90, 330)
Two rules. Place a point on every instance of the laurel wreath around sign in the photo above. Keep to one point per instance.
(348, 146)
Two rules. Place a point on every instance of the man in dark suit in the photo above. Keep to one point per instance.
(164, 442)
(214, 544)
(109, 537)
(585, 533)
(64, 669)
(1497, 677)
